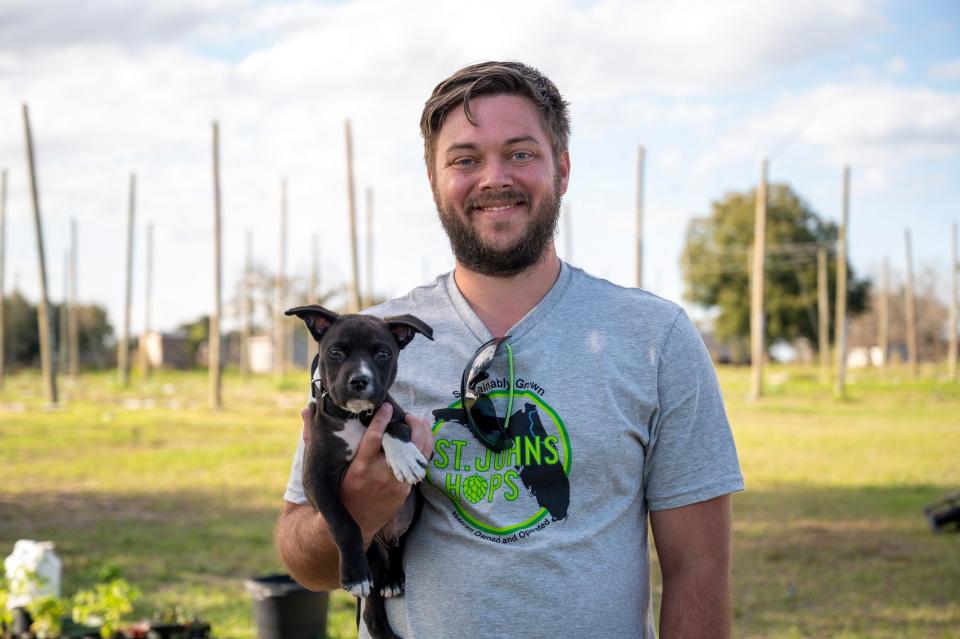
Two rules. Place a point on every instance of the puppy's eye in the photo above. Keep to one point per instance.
(336, 354)
(382, 356)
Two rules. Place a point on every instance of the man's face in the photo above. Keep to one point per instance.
(497, 185)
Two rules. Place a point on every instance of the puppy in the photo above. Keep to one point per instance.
(355, 366)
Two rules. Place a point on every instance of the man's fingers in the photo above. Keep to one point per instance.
(306, 414)
(370, 444)
(421, 434)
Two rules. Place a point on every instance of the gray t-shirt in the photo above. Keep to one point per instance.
(616, 411)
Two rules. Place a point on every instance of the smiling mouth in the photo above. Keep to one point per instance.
(495, 207)
(496, 202)
(498, 208)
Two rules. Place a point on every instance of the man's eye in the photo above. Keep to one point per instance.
(335, 354)
(463, 162)
(382, 356)
(522, 155)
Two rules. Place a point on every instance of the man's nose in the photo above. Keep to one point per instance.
(495, 175)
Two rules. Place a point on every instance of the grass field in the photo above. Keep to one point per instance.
(830, 538)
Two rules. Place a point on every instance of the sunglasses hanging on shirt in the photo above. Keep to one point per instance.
(480, 411)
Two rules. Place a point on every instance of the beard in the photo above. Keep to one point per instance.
(478, 256)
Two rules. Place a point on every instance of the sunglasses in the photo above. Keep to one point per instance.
(480, 412)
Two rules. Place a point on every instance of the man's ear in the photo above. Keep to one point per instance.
(317, 318)
(563, 168)
(406, 327)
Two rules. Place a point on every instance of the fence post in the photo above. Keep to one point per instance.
(213, 339)
(757, 328)
(43, 317)
(840, 331)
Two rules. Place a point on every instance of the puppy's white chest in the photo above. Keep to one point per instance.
(351, 435)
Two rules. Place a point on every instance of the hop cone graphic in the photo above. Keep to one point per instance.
(474, 488)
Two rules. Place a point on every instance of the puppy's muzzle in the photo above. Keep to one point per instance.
(359, 382)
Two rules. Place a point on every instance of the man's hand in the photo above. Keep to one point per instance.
(369, 490)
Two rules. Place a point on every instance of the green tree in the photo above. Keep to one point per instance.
(716, 265)
(197, 332)
(22, 340)
(95, 335)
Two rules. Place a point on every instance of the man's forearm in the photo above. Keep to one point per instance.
(695, 604)
(307, 549)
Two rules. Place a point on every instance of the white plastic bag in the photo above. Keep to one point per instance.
(33, 570)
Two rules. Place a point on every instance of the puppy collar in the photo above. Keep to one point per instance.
(322, 397)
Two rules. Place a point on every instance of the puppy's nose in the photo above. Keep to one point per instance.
(359, 382)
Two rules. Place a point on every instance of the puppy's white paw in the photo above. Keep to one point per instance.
(405, 459)
(389, 592)
(359, 589)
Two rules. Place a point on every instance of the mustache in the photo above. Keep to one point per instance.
(496, 198)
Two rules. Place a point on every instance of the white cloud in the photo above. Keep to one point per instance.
(947, 70)
(37, 24)
(671, 158)
(649, 111)
(116, 87)
(877, 125)
(896, 66)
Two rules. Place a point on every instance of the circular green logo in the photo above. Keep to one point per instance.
(507, 492)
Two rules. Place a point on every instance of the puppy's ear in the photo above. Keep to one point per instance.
(406, 327)
(317, 318)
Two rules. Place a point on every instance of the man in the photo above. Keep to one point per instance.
(614, 412)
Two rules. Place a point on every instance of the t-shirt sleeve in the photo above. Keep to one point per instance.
(294, 492)
(691, 456)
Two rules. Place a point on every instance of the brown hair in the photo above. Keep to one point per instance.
(495, 78)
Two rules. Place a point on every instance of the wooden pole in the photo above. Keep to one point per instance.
(43, 318)
(147, 303)
(247, 309)
(641, 156)
(911, 311)
(757, 341)
(823, 312)
(952, 348)
(369, 292)
(279, 333)
(123, 353)
(354, 300)
(883, 339)
(215, 377)
(840, 330)
(62, 349)
(74, 328)
(3, 257)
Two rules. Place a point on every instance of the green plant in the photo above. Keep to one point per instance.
(6, 618)
(47, 613)
(105, 605)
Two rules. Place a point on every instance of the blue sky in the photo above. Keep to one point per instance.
(708, 88)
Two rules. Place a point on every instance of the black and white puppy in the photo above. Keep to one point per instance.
(355, 366)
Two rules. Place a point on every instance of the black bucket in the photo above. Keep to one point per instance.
(283, 609)
(21, 621)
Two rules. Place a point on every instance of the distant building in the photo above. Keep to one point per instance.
(300, 351)
(166, 350)
(261, 353)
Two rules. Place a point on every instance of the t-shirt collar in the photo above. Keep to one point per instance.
(526, 323)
